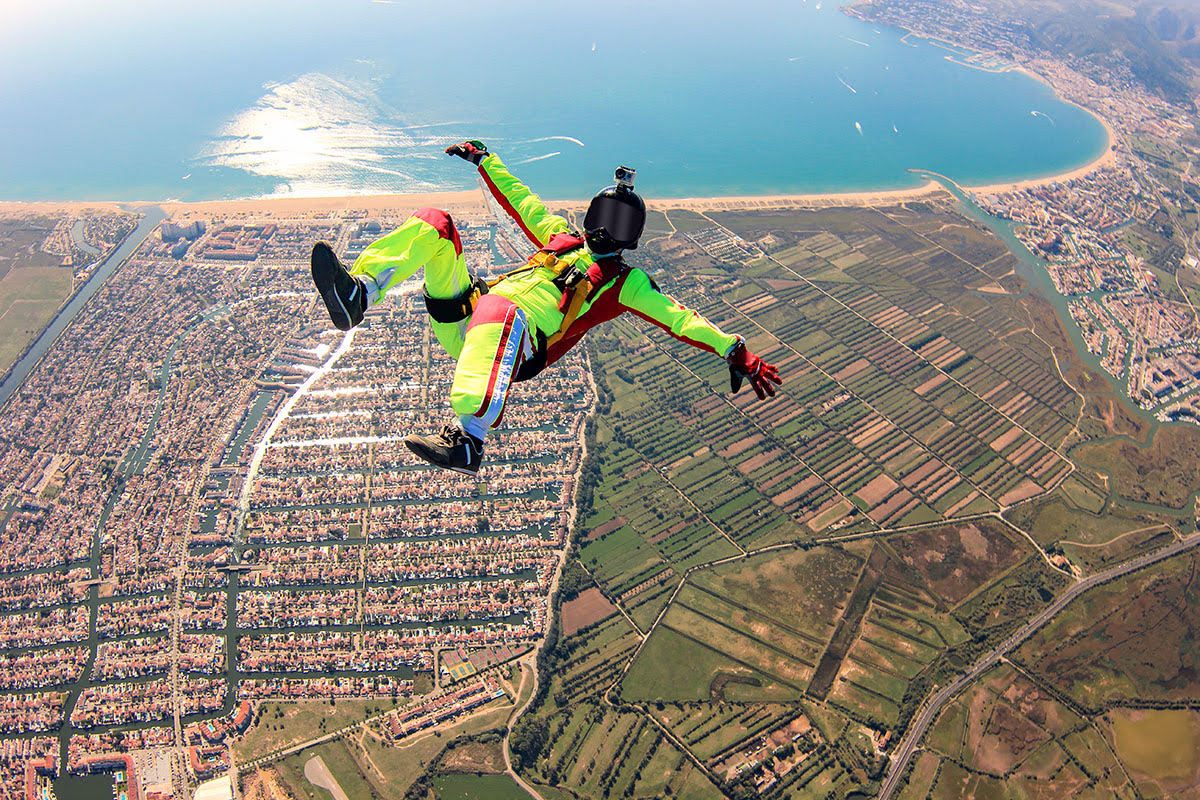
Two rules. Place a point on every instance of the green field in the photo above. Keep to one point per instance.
(29, 299)
(477, 787)
(914, 408)
(1144, 624)
(674, 667)
(281, 724)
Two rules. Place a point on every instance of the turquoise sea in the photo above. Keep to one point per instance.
(138, 100)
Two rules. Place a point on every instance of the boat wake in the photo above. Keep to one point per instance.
(552, 139)
(539, 158)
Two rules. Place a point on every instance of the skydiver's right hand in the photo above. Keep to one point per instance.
(473, 151)
(744, 364)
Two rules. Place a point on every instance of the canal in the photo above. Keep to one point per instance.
(1033, 271)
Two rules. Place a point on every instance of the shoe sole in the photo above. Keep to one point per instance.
(325, 266)
(418, 452)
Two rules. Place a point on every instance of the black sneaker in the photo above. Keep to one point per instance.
(453, 448)
(344, 295)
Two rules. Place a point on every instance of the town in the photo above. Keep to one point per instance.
(1119, 241)
(212, 507)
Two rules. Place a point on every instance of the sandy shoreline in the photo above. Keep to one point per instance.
(1107, 158)
(284, 206)
(473, 200)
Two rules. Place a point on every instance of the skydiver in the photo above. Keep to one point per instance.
(515, 328)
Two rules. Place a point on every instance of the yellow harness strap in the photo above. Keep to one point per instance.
(580, 291)
(579, 295)
(538, 259)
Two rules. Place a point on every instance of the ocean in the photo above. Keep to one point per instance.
(137, 100)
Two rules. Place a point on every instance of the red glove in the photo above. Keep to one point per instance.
(472, 151)
(744, 364)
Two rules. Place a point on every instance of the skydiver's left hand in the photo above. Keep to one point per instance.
(744, 364)
(473, 151)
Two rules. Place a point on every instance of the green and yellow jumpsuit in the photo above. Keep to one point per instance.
(527, 320)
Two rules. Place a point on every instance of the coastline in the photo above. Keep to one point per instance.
(1107, 158)
(472, 200)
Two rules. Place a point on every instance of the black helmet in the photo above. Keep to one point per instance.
(616, 216)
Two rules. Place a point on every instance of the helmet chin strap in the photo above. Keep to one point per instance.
(599, 240)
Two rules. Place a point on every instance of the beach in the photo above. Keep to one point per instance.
(284, 207)
(1107, 158)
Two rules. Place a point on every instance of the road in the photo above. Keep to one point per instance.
(558, 570)
(930, 709)
(318, 774)
(531, 665)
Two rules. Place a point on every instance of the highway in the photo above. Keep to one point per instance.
(930, 709)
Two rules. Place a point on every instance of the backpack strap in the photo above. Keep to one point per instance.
(574, 283)
(581, 289)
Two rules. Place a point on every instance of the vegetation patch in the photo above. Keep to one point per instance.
(477, 787)
(279, 725)
(674, 666)
(803, 589)
(1161, 473)
(479, 755)
(955, 561)
(29, 299)
(1130, 639)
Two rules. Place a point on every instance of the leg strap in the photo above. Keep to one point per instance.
(456, 309)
